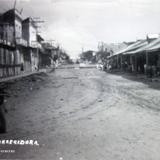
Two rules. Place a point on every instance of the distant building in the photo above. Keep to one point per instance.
(49, 55)
(111, 48)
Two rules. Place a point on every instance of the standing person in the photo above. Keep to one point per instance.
(2, 112)
(125, 66)
(145, 69)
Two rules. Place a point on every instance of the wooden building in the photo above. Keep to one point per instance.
(11, 58)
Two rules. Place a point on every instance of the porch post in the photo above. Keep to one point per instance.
(136, 67)
(147, 59)
(117, 62)
(121, 62)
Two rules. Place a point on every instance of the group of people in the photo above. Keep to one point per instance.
(148, 70)
(151, 71)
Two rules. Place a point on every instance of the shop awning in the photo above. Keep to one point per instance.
(130, 48)
(153, 46)
(138, 48)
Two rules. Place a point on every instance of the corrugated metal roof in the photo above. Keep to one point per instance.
(125, 49)
(153, 36)
(138, 48)
(154, 45)
(131, 47)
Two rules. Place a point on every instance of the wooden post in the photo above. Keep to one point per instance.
(131, 63)
(117, 62)
(121, 62)
(147, 61)
(136, 63)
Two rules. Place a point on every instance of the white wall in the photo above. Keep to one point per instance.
(32, 37)
(18, 28)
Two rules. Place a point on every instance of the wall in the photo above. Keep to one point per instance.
(32, 36)
(10, 62)
(7, 33)
(34, 59)
(18, 28)
(25, 31)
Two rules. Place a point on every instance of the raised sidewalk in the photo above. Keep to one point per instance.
(21, 75)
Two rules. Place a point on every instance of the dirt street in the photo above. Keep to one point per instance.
(84, 114)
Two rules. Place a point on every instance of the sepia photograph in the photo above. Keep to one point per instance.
(79, 80)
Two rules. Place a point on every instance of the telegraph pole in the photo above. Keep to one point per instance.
(15, 3)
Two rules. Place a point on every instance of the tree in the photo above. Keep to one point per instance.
(87, 56)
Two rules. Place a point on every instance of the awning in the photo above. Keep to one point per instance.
(131, 47)
(154, 46)
(138, 48)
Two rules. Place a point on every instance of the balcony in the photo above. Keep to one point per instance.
(21, 41)
(35, 44)
(6, 42)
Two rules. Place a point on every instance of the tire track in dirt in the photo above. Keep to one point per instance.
(103, 94)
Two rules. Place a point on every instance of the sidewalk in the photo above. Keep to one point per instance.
(21, 75)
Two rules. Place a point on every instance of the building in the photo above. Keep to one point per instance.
(30, 35)
(11, 59)
(20, 48)
(50, 55)
(142, 56)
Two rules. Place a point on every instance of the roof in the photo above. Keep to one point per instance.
(137, 48)
(154, 45)
(11, 12)
(140, 46)
(48, 46)
(29, 20)
(153, 36)
(129, 48)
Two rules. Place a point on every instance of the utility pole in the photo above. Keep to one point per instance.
(21, 11)
(82, 49)
(15, 3)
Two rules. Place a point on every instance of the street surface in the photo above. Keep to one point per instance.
(85, 114)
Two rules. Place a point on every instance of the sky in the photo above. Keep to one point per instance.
(77, 24)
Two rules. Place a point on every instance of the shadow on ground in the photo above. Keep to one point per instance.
(153, 83)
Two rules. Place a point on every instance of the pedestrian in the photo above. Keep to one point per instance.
(125, 66)
(22, 67)
(150, 72)
(145, 69)
(2, 112)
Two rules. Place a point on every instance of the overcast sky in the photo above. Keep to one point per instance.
(83, 23)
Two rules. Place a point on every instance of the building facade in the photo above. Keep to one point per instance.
(11, 58)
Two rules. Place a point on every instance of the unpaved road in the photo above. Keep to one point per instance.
(85, 114)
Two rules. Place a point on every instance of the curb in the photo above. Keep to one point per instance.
(3, 80)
